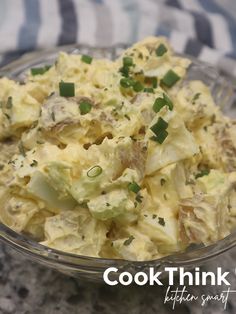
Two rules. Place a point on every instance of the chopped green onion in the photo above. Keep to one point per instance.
(168, 101)
(126, 82)
(160, 125)
(127, 61)
(67, 89)
(158, 104)
(204, 172)
(85, 107)
(129, 240)
(137, 87)
(170, 78)
(154, 82)
(148, 90)
(94, 171)
(40, 71)
(160, 137)
(161, 221)
(86, 59)
(134, 187)
(124, 71)
(161, 50)
(161, 102)
(37, 71)
(9, 103)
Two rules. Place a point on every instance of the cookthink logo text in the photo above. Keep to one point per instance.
(176, 291)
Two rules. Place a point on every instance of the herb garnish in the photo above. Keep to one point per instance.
(195, 97)
(134, 187)
(161, 50)
(202, 173)
(85, 107)
(21, 149)
(161, 221)
(170, 78)
(86, 59)
(129, 240)
(9, 103)
(67, 89)
(34, 163)
(40, 71)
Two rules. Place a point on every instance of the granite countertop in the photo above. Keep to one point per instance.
(26, 287)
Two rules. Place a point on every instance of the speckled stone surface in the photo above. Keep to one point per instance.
(26, 287)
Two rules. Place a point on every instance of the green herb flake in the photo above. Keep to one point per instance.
(129, 240)
(86, 59)
(127, 117)
(148, 90)
(202, 173)
(162, 181)
(195, 98)
(34, 163)
(67, 89)
(140, 55)
(134, 187)
(9, 103)
(53, 116)
(85, 107)
(7, 116)
(139, 198)
(161, 221)
(154, 82)
(94, 172)
(170, 78)
(161, 50)
(154, 216)
(1, 167)
(21, 149)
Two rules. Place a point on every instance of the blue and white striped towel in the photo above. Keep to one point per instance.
(203, 28)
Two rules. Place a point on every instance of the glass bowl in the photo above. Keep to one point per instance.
(91, 268)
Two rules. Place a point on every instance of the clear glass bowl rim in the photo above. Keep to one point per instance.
(54, 257)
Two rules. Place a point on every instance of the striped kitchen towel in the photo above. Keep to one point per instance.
(203, 28)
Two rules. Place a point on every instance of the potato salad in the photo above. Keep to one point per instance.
(121, 159)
